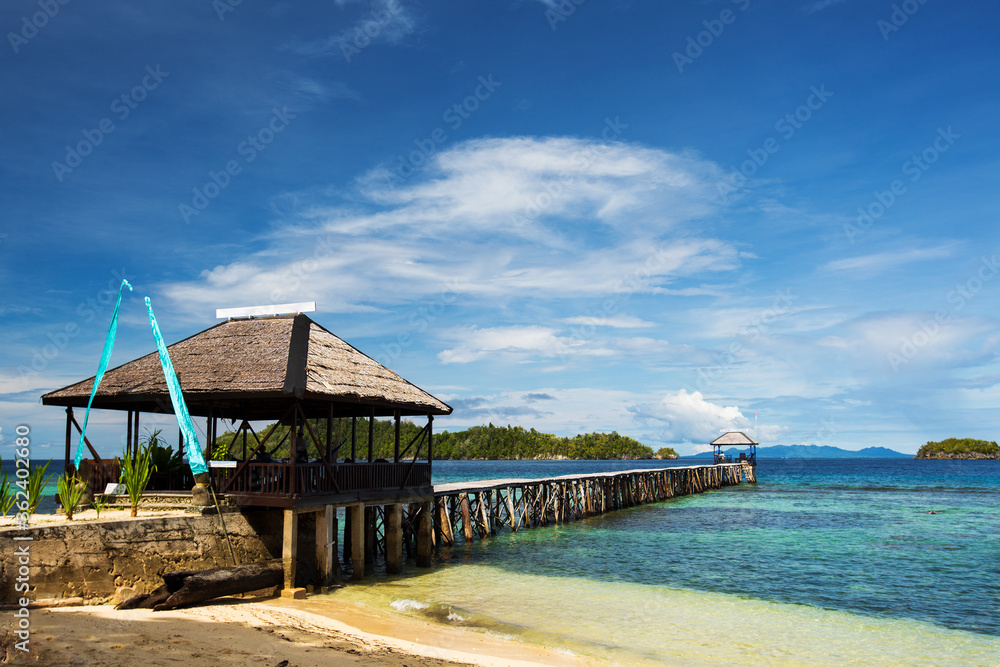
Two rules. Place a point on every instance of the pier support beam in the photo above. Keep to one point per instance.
(326, 544)
(289, 547)
(394, 538)
(357, 527)
(425, 534)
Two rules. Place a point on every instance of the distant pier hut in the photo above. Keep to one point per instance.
(735, 439)
(287, 369)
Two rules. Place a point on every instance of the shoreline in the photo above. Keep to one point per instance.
(235, 632)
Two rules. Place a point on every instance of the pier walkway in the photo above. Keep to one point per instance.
(479, 509)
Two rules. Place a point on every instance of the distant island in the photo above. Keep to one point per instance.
(818, 452)
(960, 448)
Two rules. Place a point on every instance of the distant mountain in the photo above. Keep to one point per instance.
(818, 452)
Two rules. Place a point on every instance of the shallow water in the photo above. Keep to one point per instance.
(834, 562)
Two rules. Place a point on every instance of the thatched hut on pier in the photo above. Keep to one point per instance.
(735, 439)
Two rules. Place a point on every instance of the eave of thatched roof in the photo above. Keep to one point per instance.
(737, 438)
(254, 369)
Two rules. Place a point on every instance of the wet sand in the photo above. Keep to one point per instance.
(234, 632)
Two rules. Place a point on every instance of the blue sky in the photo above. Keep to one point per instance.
(660, 218)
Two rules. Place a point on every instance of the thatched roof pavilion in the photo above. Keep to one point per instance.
(734, 439)
(254, 369)
(284, 368)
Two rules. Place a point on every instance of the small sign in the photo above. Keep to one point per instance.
(113, 489)
(222, 464)
(266, 311)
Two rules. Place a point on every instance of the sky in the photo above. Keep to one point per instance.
(665, 219)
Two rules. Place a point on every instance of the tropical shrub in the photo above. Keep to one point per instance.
(135, 473)
(70, 493)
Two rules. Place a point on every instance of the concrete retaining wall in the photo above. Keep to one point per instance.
(117, 559)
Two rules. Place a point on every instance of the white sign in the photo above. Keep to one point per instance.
(113, 489)
(265, 311)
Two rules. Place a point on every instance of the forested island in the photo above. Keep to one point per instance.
(960, 448)
(477, 443)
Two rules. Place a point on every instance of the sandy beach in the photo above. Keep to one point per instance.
(260, 632)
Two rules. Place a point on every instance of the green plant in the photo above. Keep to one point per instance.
(6, 495)
(70, 493)
(37, 481)
(99, 502)
(163, 457)
(136, 471)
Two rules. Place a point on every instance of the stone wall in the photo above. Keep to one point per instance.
(115, 559)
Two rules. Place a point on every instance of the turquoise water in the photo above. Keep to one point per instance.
(829, 561)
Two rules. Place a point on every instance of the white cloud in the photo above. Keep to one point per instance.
(488, 218)
(882, 261)
(688, 417)
(386, 21)
(615, 322)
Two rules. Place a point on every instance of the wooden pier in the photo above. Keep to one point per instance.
(471, 510)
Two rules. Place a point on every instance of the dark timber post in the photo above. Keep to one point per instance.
(395, 458)
(69, 437)
(371, 434)
(430, 438)
(128, 435)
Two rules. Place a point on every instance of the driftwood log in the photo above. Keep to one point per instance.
(187, 587)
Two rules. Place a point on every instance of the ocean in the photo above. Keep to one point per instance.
(824, 561)
(846, 561)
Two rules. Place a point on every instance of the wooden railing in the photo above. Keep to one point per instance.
(275, 479)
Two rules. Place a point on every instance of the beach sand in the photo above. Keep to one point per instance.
(239, 632)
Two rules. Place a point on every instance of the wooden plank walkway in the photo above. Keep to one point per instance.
(478, 509)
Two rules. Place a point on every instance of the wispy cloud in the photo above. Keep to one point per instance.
(482, 219)
(882, 261)
(383, 21)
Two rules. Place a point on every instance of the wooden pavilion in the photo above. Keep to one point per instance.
(735, 439)
(287, 369)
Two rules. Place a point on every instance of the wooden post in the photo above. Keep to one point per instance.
(463, 498)
(430, 438)
(289, 547)
(69, 438)
(354, 438)
(128, 435)
(356, 523)
(371, 534)
(326, 543)
(424, 535)
(444, 522)
(394, 538)
(395, 455)
(371, 435)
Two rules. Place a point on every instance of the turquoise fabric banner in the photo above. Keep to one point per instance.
(195, 458)
(109, 344)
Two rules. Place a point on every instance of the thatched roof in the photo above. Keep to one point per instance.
(736, 438)
(255, 369)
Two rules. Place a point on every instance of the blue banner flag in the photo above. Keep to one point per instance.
(109, 344)
(191, 446)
